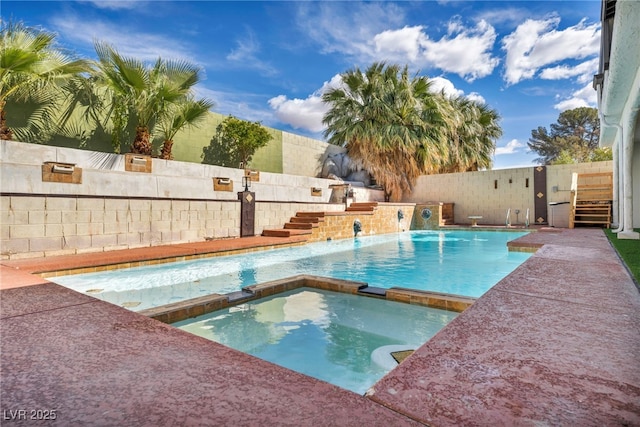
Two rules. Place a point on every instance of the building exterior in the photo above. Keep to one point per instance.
(618, 87)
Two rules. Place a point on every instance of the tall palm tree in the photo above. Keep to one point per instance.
(472, 138)
(32, 68)
(147, 92)
(179, 116)
(390, 123)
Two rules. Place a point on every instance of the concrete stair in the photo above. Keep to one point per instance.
(302, 224)
(362, 207)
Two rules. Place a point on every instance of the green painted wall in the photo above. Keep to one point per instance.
(187, 146)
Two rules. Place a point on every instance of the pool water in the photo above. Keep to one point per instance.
(464, 263)
(331, 336)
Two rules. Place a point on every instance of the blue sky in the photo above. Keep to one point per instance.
(270, 61)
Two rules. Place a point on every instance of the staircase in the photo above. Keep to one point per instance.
(591, 199)
(301, 224)
(362, 207)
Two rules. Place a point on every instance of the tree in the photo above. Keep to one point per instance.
(235, 142)
(32, 68)
(179, 116)
(390, 122)
(472, 136)
(142, 92)
(575, 136)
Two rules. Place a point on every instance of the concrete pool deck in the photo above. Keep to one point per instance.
(557, 342)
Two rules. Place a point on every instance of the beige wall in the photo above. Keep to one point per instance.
(304, 156)
(474, 193)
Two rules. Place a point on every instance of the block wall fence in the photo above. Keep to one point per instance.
(491, 194)
(111, 208)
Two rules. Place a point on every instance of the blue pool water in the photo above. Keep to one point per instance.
(457, 262)
(339, 338)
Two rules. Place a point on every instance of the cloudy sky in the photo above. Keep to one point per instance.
(271, 61)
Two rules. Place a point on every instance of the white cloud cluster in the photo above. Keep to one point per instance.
(512, 147)
(463, 51)
(304, 113)
(584, 71)
(538, 43)
(369, 32)
(583, 97)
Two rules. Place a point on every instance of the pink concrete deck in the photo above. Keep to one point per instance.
(557, 342)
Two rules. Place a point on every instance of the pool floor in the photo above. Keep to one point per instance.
(335, 337)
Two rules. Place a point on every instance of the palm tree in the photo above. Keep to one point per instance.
(32, 68)
(179, 116)
(472, 135)
(390, 123)
(147, 92)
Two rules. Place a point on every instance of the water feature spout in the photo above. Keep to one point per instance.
(508, 221)
(526, 219)
(400, 215)
(357, 227)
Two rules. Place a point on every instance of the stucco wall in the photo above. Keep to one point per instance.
(475, 193)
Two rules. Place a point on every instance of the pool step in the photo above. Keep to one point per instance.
(285, 232)
(301, 224)
(318, 215)
(314, 221)
(362, 207)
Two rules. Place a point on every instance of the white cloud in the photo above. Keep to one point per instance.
(117, 4)
(347, 27)
(246, 54)
(584, 71)
(368, 32)
(512, 147)
(142, 46)
(537, 43)
(476, 97)
(404, 43)
(440, 84)
(304, 113)
(464, 51)
(584, 97)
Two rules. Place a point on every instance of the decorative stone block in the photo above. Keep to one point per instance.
(222, 184)
(137, 163)
(67, 173)
(253, 174)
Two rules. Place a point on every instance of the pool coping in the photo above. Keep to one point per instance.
(555, 342)
(194, 307)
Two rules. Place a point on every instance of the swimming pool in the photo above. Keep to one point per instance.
(339, 338)
(456, 262)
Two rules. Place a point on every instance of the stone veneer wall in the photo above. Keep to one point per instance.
(383, 220)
